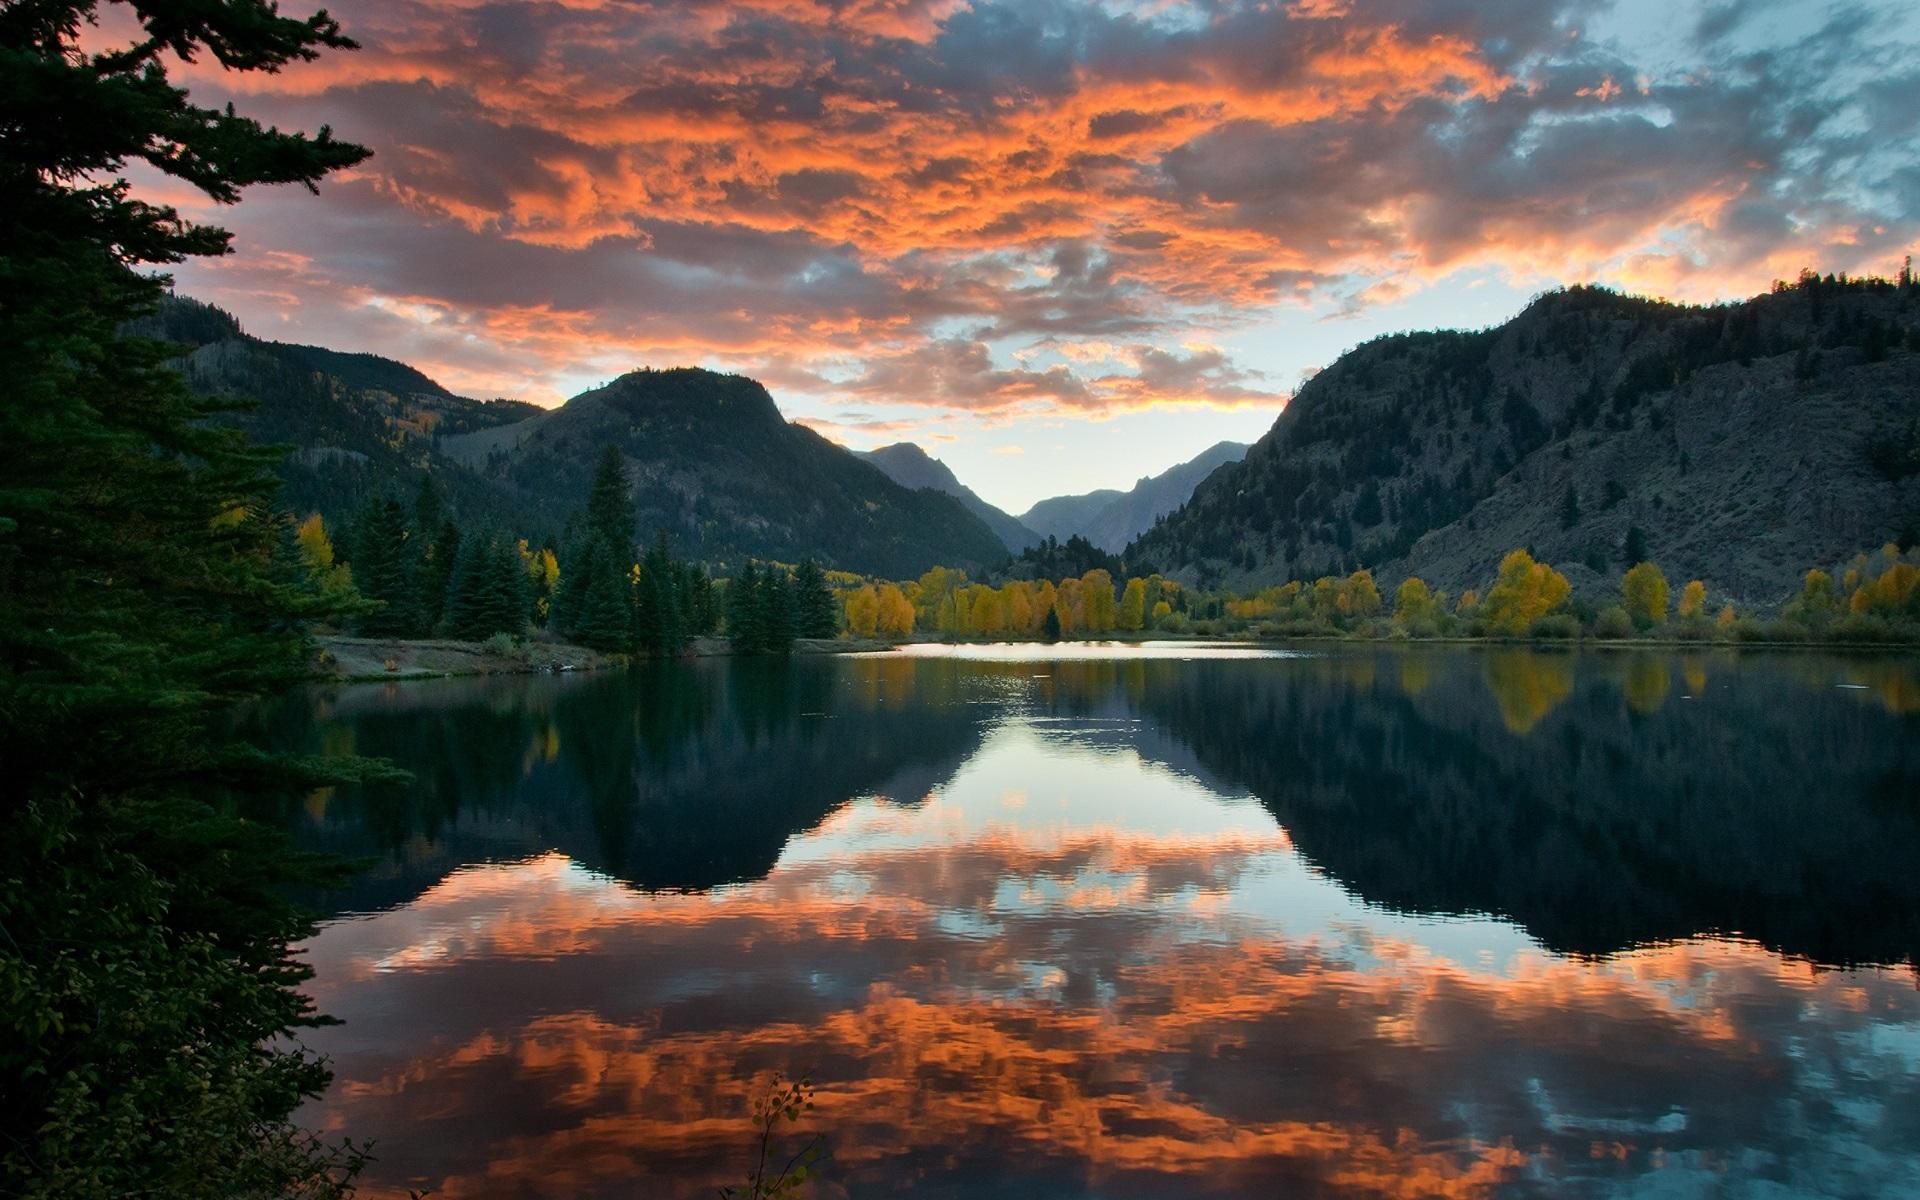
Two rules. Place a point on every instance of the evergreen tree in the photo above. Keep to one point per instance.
(776, 608)
(1050, 626)
(1634, 549)
(658, 624)
(1570, 508)
(144, 589)
(816, 613)
(489, 592)
(746, 611)
(604, 618)
(384, 570)
(436, 575)
(696, 590)
(610, 503)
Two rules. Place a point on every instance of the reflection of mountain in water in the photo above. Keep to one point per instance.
(680, 776)
(1600, 801)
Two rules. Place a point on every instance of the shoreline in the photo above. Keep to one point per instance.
(342, 659)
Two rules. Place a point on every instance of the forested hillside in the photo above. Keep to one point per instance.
(359, 425)
(1737, 444)
(721, 472)
(716, 467)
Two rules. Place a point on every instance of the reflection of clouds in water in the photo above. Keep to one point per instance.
(568, 1035)
(1059, 958)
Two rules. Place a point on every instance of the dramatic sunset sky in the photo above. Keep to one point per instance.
(1060, 244)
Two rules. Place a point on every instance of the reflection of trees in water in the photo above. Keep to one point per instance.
(673, 775)
(1567, 791)
(1767, 808)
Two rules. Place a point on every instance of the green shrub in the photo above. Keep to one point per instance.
(1746, 629)
(1783, 629)
(1612, 623)
(1558, 625)
(1864, 627)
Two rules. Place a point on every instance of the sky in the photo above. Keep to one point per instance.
(1060, 244)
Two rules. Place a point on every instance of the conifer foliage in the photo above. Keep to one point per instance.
(145, 586)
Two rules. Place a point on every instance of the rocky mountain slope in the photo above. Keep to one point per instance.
(358, 424)
(911, 467)
(716, 465)
(722, 472)
(1110, 519)
(1739, 444)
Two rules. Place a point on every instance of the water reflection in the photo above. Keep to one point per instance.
(1136, 927)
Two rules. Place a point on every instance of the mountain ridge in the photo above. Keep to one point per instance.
(1110, 518)
(1729, 443)
(910, 466)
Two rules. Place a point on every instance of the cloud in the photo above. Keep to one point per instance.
(902, 194)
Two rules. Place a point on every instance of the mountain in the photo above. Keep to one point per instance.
(358, 424)
(911, 467)
(1062, 517)
(721, 471)
(1110, 519)
(1739, 444)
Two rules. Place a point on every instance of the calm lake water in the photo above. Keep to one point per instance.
(1193, 922)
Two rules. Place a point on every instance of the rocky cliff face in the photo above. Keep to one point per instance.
(1739, 444)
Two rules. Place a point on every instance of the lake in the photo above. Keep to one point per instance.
(1124, 922)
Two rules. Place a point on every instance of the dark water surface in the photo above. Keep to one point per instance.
(1421, 922)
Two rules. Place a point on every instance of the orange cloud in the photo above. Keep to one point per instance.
(850, 194)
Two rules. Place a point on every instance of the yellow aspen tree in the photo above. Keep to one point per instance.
(1018, 599)
(1133, 606)
(863, 611)
(897, 613)
(1523, 592)
(1693, 600)
(1643, 590)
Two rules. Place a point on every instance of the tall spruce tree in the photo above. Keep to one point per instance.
(385, 570)
(746, 610)
(777, 611)
(489, 592)
(599, 611)
(816, 614)
(659, 626)
(146, 969)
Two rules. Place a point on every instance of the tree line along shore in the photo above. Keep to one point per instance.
(407, 572)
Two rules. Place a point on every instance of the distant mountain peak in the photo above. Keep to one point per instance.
(1110, 518)
(912, 467)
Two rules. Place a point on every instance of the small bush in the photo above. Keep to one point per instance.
(1864, 627)
(1556, 625)
(1783, 629)
(1690, 629)
(1746, 629)
(500, 644)
(1613, 622)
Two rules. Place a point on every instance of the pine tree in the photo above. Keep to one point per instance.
(145, 588)
(1634, 550)
(604, 619)
(659, 627)
(777, 615)
(816, 613)
(1570, 508)
(488, 594)
(610, 503)
(1050, 626)
(384, 570)
(746, 611)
